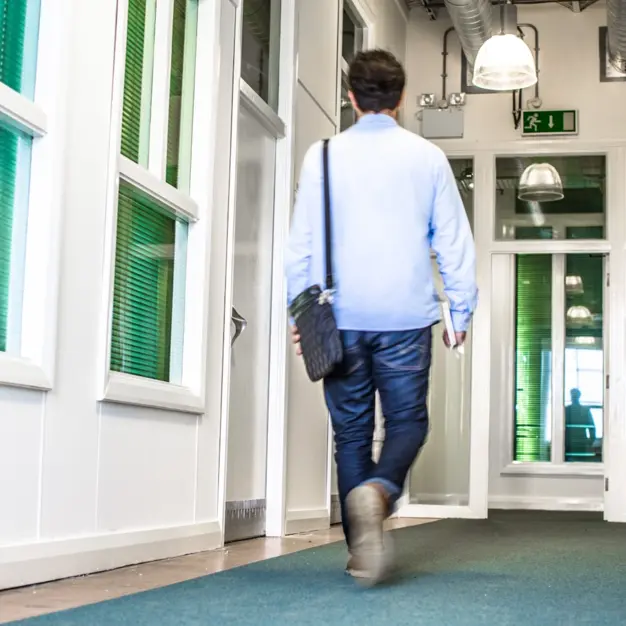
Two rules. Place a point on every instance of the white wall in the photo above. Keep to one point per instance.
(569, 78)
(84, 485)
(308, 480)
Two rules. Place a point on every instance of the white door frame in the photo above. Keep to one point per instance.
(280, 124)
(484, 216)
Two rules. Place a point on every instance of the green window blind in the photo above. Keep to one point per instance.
(15, 150)
(19, 31)
(533, 351)
(148, 288)
(182, 77)
(138, 80)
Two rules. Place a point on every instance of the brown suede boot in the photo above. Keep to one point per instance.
(367, 510)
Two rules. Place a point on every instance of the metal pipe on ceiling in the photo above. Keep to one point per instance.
(472, 21)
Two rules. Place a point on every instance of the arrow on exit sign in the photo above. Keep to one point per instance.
(537, 123)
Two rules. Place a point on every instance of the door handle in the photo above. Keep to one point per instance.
(240, 323)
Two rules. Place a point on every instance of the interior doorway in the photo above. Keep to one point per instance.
(251, 263)
(549, 331)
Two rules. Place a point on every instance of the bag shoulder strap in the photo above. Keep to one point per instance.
(330, 282)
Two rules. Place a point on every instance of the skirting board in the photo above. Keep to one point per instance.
(306, 521)
(545, 503)
(28, 564)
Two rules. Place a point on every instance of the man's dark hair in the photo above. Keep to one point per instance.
(377, 79)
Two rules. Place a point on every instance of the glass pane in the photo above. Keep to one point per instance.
(148, 294)
(579, 214)
(584, 357)
(533, 232)
(348, 116)
(584, 232)
(182, 79)
(260, 46)
(533, 358)
(251, 299)
(19, 32)
(464, 173)
(348, 38)
(15, 154)
(138, 80)
(441, 474)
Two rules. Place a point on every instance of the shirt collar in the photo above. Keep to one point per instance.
(376, 120)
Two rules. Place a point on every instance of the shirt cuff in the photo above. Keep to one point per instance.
(460, 321)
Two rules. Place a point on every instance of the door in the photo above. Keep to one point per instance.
(250, 329)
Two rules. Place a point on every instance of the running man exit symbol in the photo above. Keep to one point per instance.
(549, 123)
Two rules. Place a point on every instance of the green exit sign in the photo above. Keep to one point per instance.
(537, 123)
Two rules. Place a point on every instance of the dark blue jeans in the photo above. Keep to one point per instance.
(396, 364)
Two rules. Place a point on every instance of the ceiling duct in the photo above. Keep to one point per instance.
(616, 23)
(472, 21)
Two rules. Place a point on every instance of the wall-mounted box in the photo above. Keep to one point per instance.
(442, 123)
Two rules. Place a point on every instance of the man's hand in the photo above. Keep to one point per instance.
(295, 338)
(460, 339)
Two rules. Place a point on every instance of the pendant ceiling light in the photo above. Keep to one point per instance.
(540, 182)
(467, 178)
(504, 62)
(574, 285)
(580, 314)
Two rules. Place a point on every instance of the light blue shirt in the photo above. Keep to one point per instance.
(393, 199)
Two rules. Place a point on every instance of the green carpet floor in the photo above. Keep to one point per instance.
(519, 568)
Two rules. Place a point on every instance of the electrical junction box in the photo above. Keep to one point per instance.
(442, 123)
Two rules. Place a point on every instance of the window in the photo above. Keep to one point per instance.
(23, 128)
(154, 209)
(559, 358)
(584, 358)
(260, 48)
(138, 76)
(579, 214)
(148, 299)
(19, 25)
(352, 36)
(19, 32)
(533, 357)
(463, 170)
(15, 153)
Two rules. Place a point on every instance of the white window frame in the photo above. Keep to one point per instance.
(31, 363)
(194, 208)
(504, 282)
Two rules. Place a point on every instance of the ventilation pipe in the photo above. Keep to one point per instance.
(472, 21)
(616, 22)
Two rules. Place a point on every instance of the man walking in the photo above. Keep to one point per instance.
(394, 198)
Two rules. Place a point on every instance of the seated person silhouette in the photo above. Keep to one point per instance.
(580, 429)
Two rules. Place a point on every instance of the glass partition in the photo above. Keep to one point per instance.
(441, 474)
(550, 197)
(584, 358)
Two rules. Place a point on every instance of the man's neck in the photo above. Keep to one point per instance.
(392, 114)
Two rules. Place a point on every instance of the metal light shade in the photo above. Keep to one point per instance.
(579, 314)
(574, 284)
(540, 182)
(504, 63)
